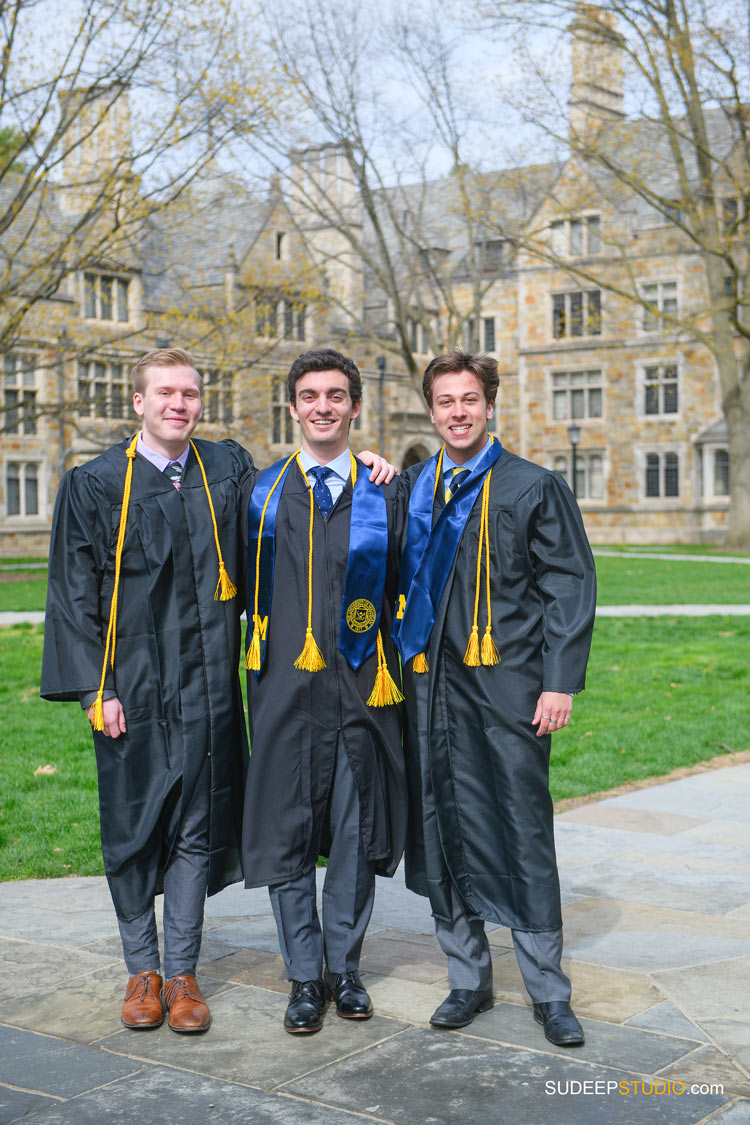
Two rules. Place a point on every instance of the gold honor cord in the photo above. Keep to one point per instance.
(311, 658)
(488, 654)
(225, 589)
(96, 712)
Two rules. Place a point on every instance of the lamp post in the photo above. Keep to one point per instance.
(574, 436)
(380, 364)
(62, 342)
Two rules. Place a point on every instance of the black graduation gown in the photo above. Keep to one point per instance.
(176, 658)
(482, 813)
(296, 717)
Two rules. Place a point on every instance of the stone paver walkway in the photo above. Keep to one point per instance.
(656, 892)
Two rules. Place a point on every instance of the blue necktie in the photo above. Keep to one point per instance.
(321, 491)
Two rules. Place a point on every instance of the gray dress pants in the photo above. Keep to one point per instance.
(464, 942)
(348, 894)
(185, 882)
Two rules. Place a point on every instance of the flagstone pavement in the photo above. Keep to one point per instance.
(656, 893)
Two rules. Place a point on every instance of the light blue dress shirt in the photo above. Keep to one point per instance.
(340, 469)
(449, 465)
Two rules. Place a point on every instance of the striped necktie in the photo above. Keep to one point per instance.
(174, 472)
(321, 491)
(454, 482)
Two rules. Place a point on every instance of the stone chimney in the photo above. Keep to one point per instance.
(596, 94)
(325, 205)
(96, 141)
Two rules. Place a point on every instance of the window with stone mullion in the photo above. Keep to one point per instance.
(721, 472)
(576, 394)
(282, 424)
(19, 394)
(577, 313)
(662, 476)
(661, 389)
(21, 489)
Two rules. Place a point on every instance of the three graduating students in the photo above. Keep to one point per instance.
(494, 614)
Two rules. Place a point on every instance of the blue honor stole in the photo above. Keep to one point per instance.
(365, 569)
(430, 551)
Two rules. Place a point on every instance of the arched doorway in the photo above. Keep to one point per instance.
(414, 454)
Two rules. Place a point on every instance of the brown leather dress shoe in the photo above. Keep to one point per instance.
(188, 1011)
(142, 1008)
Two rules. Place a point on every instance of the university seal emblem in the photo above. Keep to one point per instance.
(360, 615)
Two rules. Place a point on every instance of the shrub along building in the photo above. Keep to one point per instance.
(623, 390)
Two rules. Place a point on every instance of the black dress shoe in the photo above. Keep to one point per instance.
(560, 1025)
(307, 1002)
(352, 1001)
(460, 1007)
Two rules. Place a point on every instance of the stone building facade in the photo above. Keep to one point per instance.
(237, 280)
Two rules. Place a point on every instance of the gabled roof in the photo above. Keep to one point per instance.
(209, 231)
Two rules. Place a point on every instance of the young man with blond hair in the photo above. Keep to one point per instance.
(142, 628)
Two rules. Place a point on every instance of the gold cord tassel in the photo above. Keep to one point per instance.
(385, 692)
(471, 656)
(311, 658)
(490, 655)
(419, 664)
(252, 656)
(96, 713)
(225, 588)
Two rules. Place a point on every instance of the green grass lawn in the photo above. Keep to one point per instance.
(663, 693)
(23, 584)
(623, 581)
(30, 594)
(48, 822)
(23, 563)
